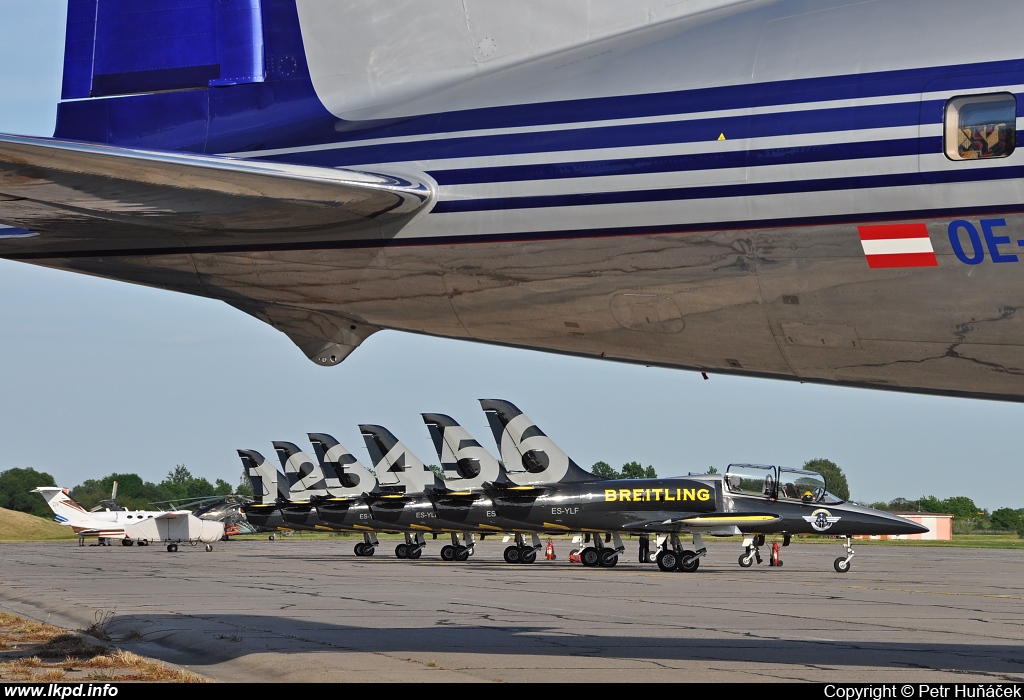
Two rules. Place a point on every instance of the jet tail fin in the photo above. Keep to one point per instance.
(66, 510)
(396, 465)
(354, 479)
(268, 483)
(466, 464)
(530, 457)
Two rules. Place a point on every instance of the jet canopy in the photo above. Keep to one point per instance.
(778, 483)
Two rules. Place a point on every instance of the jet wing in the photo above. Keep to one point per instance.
(66, 199)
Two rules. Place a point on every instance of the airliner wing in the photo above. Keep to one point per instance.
(68, 199)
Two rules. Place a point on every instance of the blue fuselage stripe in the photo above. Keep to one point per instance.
(818, 153)
(632, 135)
(729, 190)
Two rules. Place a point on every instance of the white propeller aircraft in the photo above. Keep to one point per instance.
(132, 526)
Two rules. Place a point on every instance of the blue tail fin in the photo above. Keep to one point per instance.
(193, 75)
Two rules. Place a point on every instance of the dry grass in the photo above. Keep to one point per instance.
(30, 651)
(22, 527)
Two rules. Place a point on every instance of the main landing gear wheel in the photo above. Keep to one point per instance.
(693, 565)
(842, 565)
(127, 542)
(512, 555)
(527, 555)
(172, 548)
(608, 558)
(414, 552)
(667, 560)
(590, 557)
(447, 553)
(746, 560)
(359, 549)
(209, 547)
(402, 551)
(461, 553)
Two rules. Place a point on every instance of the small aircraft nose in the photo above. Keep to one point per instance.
(905, 526)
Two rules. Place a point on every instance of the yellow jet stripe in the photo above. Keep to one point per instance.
(731, 518)
(554, 525)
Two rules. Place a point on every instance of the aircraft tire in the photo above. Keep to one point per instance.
(402, 551)
(368, 550)
(652, 558)
(512, 554)
(667, 560)
(271, 538)
(590, 557)
(745, 561)
(842, 565)
(608, 558)
(127, 542)
(692, 566)
(448, 552)
(414, 552)
(527, 555)
(358, 549)
(461, 553)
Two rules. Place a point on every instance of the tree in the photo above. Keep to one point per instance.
(711, 470)
(244, 487)
(437, 470)
(1007, 519)
(961, 507)
(635, 470)
(605, 471)
(903, 505)
(15, 491)
(835, 480)
(930, 504)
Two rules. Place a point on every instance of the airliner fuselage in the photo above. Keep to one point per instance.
(825, 191)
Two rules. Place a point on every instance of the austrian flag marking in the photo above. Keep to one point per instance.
(897, 245)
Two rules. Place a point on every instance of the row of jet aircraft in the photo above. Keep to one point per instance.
(535, 490)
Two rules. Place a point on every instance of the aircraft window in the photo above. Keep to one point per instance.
(751, 479)
(800, 485)
(982, 126)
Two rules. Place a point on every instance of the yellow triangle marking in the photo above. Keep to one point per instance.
(721, 137)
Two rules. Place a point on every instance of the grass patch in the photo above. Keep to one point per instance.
(41, 653)
(22, 527)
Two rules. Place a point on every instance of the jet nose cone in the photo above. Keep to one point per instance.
(905, 526)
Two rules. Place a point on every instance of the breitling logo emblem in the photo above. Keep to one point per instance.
(821, 519)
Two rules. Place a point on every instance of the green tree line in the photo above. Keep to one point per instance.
(132, 492)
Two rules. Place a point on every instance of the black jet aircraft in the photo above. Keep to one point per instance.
(748, 500)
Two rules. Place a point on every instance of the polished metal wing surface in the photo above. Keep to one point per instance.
(67, 199)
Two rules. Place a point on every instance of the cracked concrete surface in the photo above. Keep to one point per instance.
(293, 611)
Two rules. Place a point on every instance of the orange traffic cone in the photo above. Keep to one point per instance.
(574, 556)
(550, 553)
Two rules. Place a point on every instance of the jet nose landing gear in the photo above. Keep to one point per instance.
(842, 564)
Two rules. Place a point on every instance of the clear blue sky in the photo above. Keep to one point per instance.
(99, 376)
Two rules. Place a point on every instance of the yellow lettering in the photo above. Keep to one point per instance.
(703, 495)
(609, 495)
(689, 494)
(624, 495)
(638, 494)
(657, 494)
(679, 494)
(668, 496)
(647, 495)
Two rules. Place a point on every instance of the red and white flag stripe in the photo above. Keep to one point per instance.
(897, 245)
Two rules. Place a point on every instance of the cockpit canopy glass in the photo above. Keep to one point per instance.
(778, 482)
(799, 485)
(751, 479)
